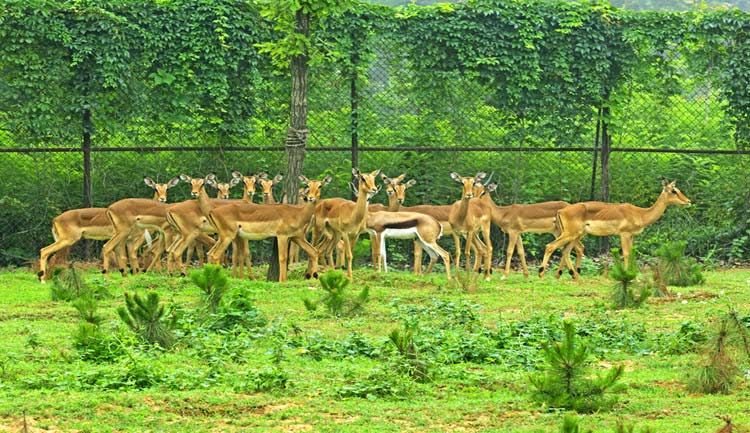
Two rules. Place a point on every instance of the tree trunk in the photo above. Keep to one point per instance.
(88, 200)
(296, 138)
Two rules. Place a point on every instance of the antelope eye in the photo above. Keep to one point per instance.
(674, 192)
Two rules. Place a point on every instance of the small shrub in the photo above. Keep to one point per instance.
(69, 284)
(466, 280)
(718, 371)
(336, 298)
(238, 312)
(684, 340)
(675, 268)
(409, 360)
(87, 310)
(212, 280)
(265, 379)
(379, 383)
(146, 317)
(95, 345)
(565, 383)
(623, 294)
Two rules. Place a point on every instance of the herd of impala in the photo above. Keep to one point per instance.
(321, 226)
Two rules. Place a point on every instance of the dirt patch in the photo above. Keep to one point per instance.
(671, 385)
(28, 424)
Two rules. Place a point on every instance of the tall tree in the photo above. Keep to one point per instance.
(299, 22)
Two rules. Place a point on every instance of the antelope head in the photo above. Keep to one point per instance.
(267, 184)
(394, 187)
(311, 191)
(224, 188)
(196, 183)
(161, 188)
(673, 194)
(468, 183)
(248, 183)
(366, 182)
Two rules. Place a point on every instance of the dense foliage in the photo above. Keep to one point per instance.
(524, 74)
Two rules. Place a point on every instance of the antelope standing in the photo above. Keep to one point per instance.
(609, 219)
(285, 222)
(87, 223)
(470, 218)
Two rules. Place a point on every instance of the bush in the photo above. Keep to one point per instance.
(623, 294)
(68, 285)
(379, 383)
(409, 360)
(238, 312)
(212, 280)
(336, 298)
(719, 370)
(95, 345)
(146, 318)
(265, 379)
(675, 269)
(565, 383)
(684, 340)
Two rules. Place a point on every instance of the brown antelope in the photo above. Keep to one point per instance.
(188, 218)
(345, 219)
(470, 218)
(87, 223)
(516, 219)
(609, 219)
(407, 225)
(131, 215)
(267, 185)
(283, 221)
(396, 193)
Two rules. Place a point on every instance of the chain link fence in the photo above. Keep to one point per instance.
(403, 120)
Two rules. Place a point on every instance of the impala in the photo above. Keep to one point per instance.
(396, 192)
(470, 218)
(345, 219)
(407, 225)
(188, 218)
(131, 215)
(87, 223)
(267, 185)
(517, 219)
(609, 219)
(285, 222)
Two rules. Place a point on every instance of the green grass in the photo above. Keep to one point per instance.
(464, 396)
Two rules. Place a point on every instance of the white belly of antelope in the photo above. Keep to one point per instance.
(409, 233)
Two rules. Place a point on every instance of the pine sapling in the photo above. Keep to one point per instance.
(677, 269)
(213, 281)
(410, 360)
(147, 318)
(567, 382)
(336, 297)
(623, 293)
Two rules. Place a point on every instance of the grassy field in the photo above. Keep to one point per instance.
(483, 344)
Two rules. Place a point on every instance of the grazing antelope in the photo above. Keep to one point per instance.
(87, 223)
(609, 219)
(285, 222)
(407, 225)
(470, 218)
(345, 219)
(516, 219)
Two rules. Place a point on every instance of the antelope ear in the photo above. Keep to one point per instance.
(491, 187)
(278, 178)
(455, 176)
(303, 178)
(235, 180)
(664, 182)
(149, 182)
(386, 179)
(262, 176)
(375, 173)
(326, 180)
(355, 172)
(481, 175)
(673, 183)
(185, 178)
(211, 177)
(400, 178)
(410, 183)
(174, 181)
(236, 174)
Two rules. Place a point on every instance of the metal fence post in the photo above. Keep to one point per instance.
(596, 149)
(88, 198)
(606, 141)
(354, 105)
